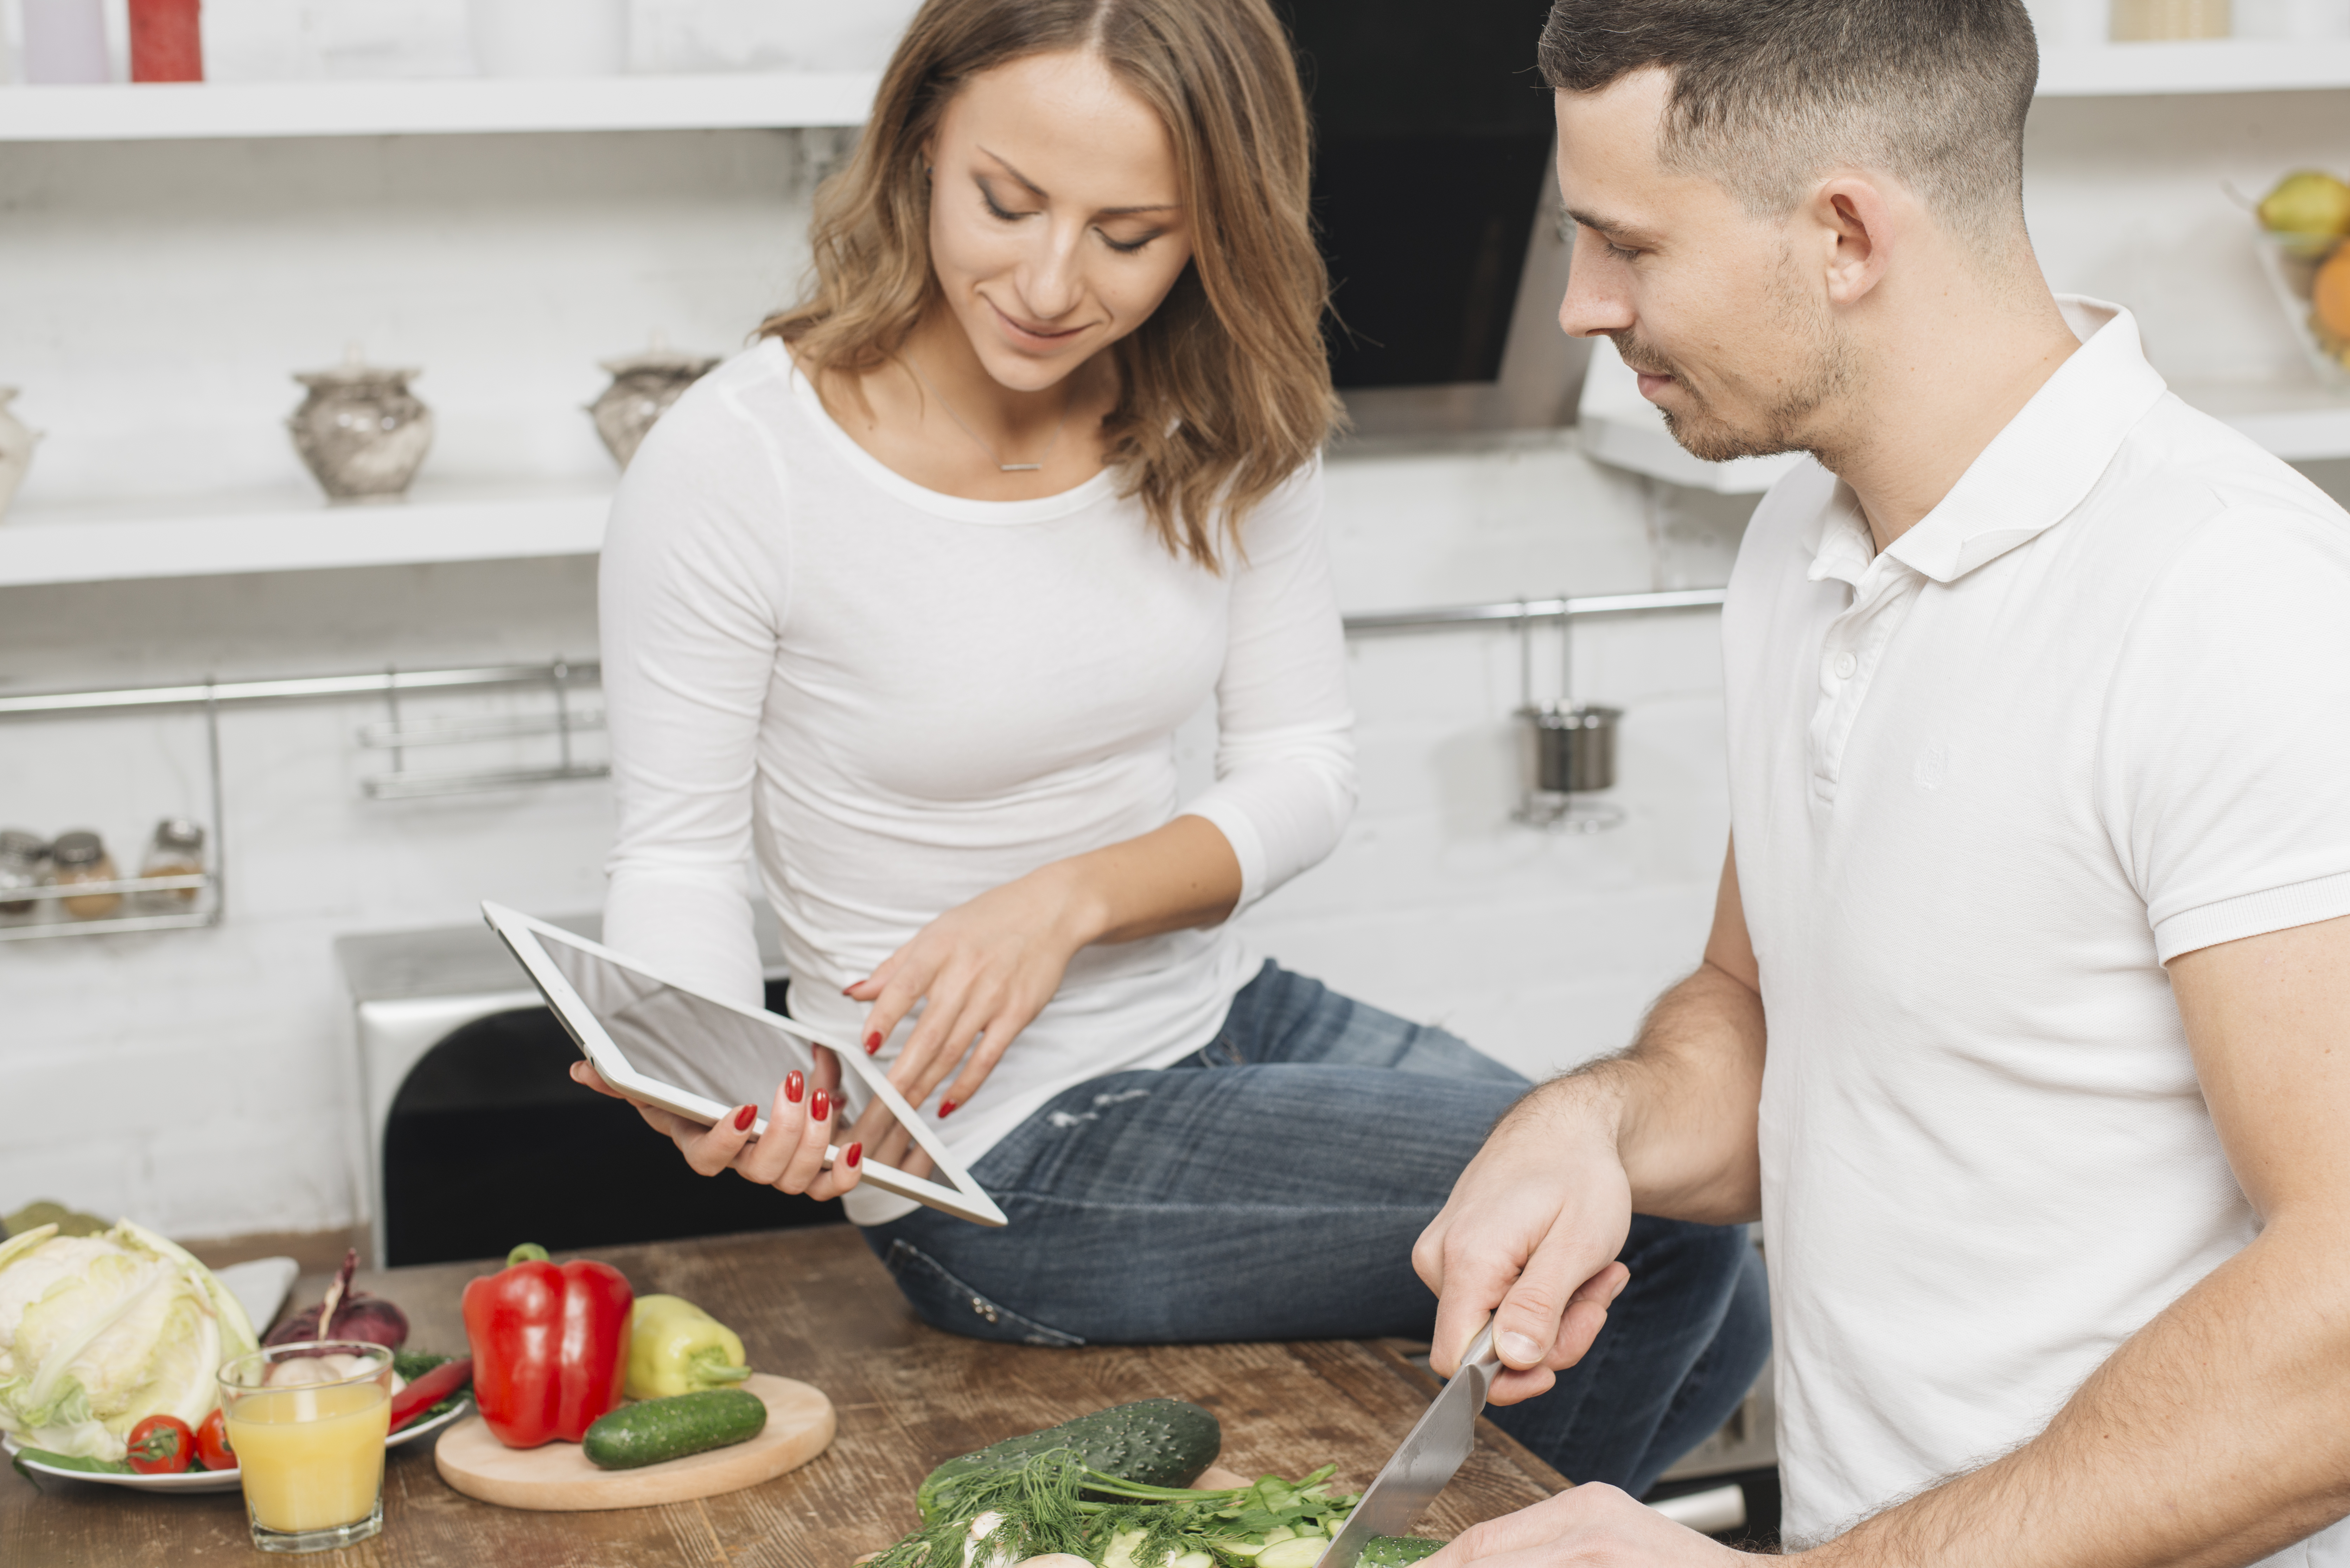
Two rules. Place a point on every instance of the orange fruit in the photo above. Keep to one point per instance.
(2330, 293)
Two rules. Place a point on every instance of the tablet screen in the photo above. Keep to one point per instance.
(674, 1036)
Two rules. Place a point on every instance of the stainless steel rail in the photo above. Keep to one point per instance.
(1512, 612)
(391, 682)
(381, 683)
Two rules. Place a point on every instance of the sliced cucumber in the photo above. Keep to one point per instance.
(1396, 1550)
(1298, 1552)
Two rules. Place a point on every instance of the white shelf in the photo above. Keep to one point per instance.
(2220, 65)
(165, 111)
(2300, 422)
(68, 549)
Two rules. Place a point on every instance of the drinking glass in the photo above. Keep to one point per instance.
(308, 1422)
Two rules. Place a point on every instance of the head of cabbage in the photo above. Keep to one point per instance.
(98, 1332)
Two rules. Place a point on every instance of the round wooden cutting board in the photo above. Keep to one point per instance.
(557, 1477)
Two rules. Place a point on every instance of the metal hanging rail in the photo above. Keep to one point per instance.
(384, 683)
(392, 683)
(1514, 611)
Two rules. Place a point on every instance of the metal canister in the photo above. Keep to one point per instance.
(1574, 747)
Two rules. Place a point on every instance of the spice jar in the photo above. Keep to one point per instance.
(177, 850)
(24, 863)
(80, 857)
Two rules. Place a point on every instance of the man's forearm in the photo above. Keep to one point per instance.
(2211, 1439)
(1680, 1104)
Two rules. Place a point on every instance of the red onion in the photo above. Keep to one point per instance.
(346, 1314)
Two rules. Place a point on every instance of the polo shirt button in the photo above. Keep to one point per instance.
(1844, 664)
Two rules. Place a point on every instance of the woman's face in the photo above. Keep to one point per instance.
(1054, 223)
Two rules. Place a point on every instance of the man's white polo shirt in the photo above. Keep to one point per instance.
(2092, 713)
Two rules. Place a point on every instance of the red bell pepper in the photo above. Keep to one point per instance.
(550, 1346)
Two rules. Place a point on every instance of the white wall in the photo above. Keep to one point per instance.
(157, 296)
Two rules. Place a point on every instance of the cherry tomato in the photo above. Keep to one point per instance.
(160, 1446)
(211, 1443)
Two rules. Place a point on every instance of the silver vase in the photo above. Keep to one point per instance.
(362, 433)
(643, 387)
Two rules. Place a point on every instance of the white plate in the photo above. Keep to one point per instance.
(216, 1480)
(261, 1286)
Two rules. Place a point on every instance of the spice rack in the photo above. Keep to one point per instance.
(207, 891)
(210, 887)
(399, 738)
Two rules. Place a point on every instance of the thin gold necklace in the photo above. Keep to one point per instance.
(1001, 466)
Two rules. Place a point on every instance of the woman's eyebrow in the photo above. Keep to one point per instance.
(1035, 190)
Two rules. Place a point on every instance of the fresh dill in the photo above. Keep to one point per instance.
(1054, 1503)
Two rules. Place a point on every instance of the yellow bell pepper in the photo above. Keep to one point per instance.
(678, 1348)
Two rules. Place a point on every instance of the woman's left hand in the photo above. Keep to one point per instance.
(983, 971)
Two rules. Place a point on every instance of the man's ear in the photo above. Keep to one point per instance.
(1856, 226)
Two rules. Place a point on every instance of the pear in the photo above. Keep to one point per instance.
(2308, 202)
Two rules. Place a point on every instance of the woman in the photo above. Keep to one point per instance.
(908, 601)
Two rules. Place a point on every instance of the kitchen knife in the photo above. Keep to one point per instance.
(1436, 1447)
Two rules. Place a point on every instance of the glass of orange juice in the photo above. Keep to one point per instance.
(308, 1422)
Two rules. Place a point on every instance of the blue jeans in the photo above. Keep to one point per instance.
(1271, 1186)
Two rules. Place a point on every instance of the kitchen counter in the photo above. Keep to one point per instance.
(813, 1304)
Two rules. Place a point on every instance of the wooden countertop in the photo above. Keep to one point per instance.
(813, 1304)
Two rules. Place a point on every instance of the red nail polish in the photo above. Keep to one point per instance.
(819, 1106)
(794, 1087)
(849, 989)
(872, 1043)
(744, 1117)
(855, 1152)
(946, 1109)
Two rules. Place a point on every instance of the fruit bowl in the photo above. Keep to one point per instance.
(2311, 276)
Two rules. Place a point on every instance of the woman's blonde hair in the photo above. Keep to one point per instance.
(1225, 390)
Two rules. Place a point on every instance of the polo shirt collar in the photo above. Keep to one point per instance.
(2034, 472)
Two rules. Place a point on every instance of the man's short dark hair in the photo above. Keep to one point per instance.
(1768, 95)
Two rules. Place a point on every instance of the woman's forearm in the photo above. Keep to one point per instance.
(1169, 879)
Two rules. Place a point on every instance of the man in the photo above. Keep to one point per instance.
(2025, 1022)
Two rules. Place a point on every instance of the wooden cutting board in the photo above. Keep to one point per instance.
(559, 1478)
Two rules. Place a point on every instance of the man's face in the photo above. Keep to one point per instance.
(1709, 303)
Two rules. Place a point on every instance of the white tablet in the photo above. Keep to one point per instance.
(659, 1042)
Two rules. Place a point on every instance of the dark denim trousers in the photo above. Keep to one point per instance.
(1271, 1186)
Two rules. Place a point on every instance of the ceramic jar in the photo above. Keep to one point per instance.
(16, 450)
(643, 387)
(361, 431)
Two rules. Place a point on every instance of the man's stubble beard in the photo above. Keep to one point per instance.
(1785, 424)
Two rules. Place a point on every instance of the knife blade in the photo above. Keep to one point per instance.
(1435, 1448)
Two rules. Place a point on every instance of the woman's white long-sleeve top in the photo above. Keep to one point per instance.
(895, 700)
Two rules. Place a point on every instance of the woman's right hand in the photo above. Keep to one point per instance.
(789, 1156)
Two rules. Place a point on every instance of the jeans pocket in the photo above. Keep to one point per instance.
(946, 1302)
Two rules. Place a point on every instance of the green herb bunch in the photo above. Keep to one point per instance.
(1054, 1503)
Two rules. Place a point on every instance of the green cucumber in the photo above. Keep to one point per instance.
(1157, 1442)
(1298, 1552)
(652, 1430)
(1396, 1550)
